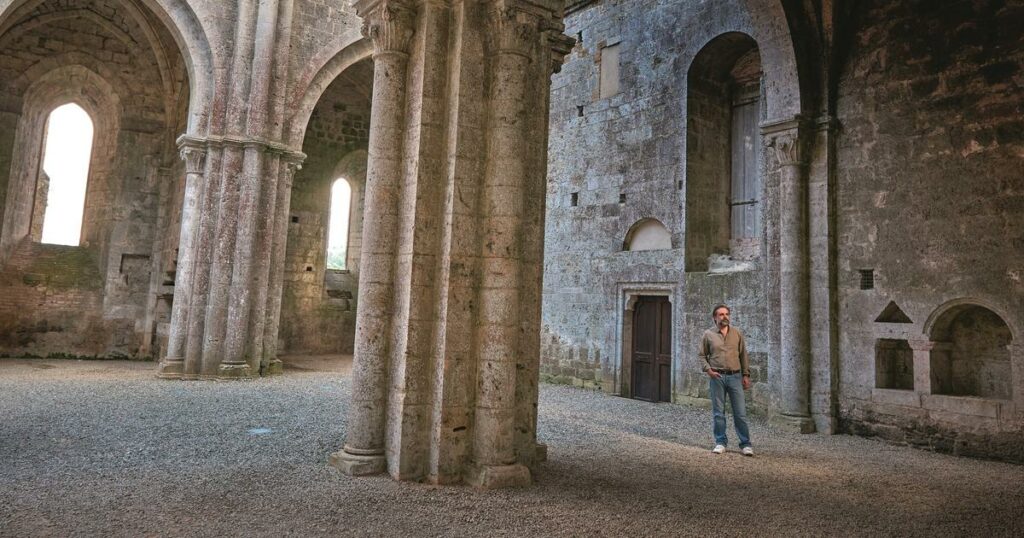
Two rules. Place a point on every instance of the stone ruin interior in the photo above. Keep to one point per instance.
(475, 196)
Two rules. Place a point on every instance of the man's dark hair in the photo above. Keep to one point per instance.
(715, 309)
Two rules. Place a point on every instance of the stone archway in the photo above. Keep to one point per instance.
(318, 304)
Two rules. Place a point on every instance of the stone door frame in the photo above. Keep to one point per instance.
(626, 296)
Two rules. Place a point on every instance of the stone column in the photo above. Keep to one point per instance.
(793, 411)
(389, 24)
(288, 165)
(193, 152)
(200, 267)
(514, 34)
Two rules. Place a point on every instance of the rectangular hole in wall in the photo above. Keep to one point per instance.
(622, 197)
(894, 364)
(867, 279)
(295, 219)
(574, 199)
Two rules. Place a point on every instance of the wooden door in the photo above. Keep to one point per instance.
(652, 349)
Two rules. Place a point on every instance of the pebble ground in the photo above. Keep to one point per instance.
(105, 449)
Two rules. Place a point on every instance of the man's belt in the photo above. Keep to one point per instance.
(726, 372)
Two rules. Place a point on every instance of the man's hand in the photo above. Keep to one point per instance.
(713, 374)
(746, 383)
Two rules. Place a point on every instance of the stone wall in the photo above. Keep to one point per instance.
(931, 199)
(617, 160)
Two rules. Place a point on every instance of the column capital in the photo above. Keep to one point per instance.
(193, 152)
(515, 28)
(389, 24)
(292, 163)
(787, 138)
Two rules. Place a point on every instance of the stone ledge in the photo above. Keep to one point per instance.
(908, 398)
(967, 405)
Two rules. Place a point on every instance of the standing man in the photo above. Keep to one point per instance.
(723, 355)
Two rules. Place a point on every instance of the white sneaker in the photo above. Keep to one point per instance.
(719, 449)
(748, 451)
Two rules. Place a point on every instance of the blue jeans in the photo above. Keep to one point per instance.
(732, 385)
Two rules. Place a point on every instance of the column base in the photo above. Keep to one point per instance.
(234, 371)
(170, 369)
(274, 367)
(792, 423)
(357, 464)
(498, 476)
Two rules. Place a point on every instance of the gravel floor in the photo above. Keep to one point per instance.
(104, 448)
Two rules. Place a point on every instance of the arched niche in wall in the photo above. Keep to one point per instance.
(723, 158)
(100, 100)
(970, 352)
(647, 234)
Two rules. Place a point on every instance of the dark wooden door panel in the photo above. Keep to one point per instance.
(652, 349)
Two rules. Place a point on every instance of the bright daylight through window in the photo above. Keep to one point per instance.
(66, 162)
(337, 232)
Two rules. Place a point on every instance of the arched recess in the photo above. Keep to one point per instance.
(767, 22)
(971, 351)
(301, 108)
(724, 186)
(316, 300)
(177, 17)
(70, 84)
(647, 234)
(143, 71)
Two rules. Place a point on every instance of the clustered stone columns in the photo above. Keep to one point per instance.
(793, 413)
(446, 362)
(224, 317)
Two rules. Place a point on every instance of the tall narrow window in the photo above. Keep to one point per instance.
(68, 146)
(337, 231)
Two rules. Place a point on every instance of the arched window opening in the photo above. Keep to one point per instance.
(337, 230)
(648, 234)
(66, 154)
(970, 354)
(723, 183)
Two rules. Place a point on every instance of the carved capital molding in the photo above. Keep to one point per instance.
(292, 164)
(514, 30)
(389, 24)
(787, 139)
(193, 152)
(786, 147)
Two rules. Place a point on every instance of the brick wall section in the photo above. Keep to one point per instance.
(51, 297)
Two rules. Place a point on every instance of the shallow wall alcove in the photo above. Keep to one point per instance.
(971, 354)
